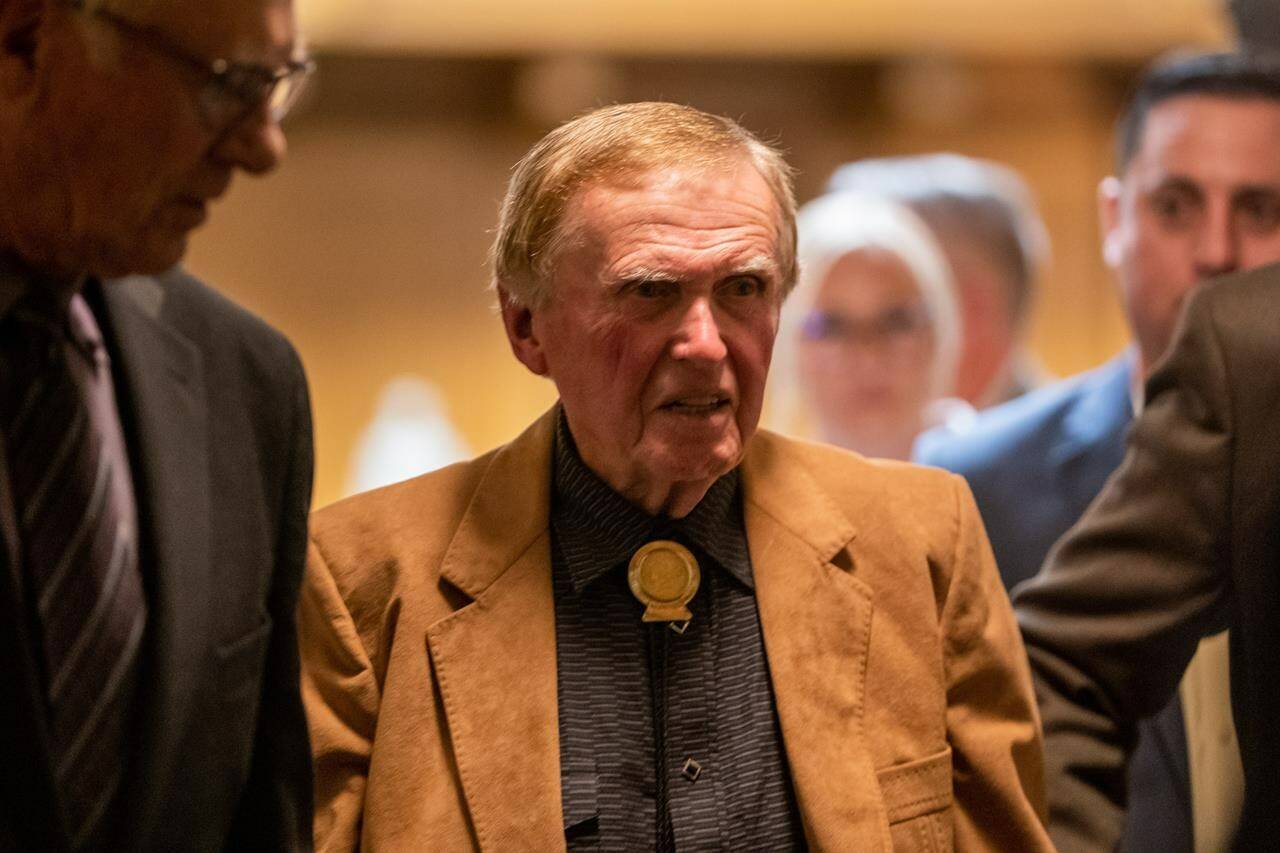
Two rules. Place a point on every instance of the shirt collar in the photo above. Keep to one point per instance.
(13, 284)
(598, 528)
(17, 280)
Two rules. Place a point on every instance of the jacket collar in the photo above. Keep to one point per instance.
(495, 658)
(598, 529)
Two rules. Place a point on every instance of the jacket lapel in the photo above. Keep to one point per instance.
(816, 620)
(495, 659)
(163, 407)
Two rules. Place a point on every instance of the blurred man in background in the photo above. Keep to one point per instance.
(1196, 194)
(643, 624)
(983, 216)
(155, 469)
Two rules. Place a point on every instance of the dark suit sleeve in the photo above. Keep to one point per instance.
(274, 812)
(1117, 612)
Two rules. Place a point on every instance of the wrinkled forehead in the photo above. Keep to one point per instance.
(722, 195)
(1237, 136)
(252, 31)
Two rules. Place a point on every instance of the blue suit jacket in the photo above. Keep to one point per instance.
(1035, 464)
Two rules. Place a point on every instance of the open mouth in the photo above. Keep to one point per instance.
(700, 405)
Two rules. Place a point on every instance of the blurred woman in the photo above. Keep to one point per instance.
(869, 339)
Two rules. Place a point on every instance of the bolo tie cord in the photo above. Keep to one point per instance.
(659, 641)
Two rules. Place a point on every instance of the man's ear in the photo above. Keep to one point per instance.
(518, 320)
(1109, 192)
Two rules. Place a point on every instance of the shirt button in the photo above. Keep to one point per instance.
(691, 770)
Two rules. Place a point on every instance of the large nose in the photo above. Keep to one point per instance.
(254, 143)
(698, 337)
(1217, 249)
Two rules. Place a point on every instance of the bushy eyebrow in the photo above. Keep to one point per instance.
(1177, 183)
(761, 266)
(639, 275)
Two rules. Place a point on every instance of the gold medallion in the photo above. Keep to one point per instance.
(664, 576)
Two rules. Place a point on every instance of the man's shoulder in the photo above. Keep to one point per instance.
(1024, 433)
(1244, 309)
(409, 520)
(801, 481)
(219, 328)
(839, 470)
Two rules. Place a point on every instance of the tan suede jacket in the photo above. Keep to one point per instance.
(429, 660)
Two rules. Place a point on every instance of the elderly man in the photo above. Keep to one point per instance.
(156, 453)
(1196, 194)
(983, 216)
(642, 624)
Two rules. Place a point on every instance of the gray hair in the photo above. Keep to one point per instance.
(981, 202)
(620, 141)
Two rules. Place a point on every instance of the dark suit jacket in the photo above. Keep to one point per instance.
(1184, 541)
(1034, 465)
(215, 411)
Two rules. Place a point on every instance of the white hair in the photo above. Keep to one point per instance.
(841, 223)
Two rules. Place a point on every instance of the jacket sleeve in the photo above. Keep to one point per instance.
(342, 698)
(274, 812)
(992, 724)
(1124, 598)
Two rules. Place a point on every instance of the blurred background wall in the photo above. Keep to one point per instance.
(368, 247)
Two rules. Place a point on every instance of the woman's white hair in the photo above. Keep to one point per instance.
(838, 224)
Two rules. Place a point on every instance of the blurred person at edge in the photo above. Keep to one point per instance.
(1257, 25)
(1196, 194)
(868, 342)
(155, 468)
(478, 671)
(986, 221)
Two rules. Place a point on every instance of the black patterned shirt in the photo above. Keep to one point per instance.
(726, 772)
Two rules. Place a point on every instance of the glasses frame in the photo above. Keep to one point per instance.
(231, 90)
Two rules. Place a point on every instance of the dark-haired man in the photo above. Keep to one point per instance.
(155, 440)
(1196, 194)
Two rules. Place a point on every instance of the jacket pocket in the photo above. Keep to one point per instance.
(917, 798)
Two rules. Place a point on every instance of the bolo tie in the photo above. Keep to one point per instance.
(664, 577)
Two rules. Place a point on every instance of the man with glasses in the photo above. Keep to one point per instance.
(155, 440)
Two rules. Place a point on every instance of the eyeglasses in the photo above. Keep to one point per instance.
(231, 90)
(896, 327)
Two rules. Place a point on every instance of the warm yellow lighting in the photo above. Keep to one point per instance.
(791, 28)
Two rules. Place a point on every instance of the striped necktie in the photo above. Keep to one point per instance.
(73, 501)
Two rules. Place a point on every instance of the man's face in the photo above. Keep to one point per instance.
(660, 328)
(1201, 197)
(983, 291)
(105, 134)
